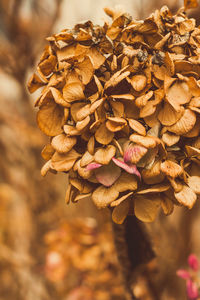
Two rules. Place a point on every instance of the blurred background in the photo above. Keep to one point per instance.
(49, 250)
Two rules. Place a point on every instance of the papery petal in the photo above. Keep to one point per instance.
(130, 168)
(133, 153)
(93, 166)
(193, 262)
(183, 274)
(108, 174)
(192, 290)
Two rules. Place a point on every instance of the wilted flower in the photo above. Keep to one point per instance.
(121, 105)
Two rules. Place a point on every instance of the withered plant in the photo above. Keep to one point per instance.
(121, 103)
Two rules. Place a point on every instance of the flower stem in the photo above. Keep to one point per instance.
(133, 249)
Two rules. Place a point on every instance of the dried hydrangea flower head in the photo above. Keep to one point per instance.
(121, 105)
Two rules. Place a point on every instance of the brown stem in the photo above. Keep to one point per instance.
(133, 250)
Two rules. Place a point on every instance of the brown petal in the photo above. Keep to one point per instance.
(121, 199)
(47, 152)
(62, 143)
(117, 108)
(145, 141)
(82, 185)
(148, 110)
(103, 196)
(170, 139)
(194, 184)
(116, 78)
(185, 124)
(103, 135)
(83, 112)
(50, 118)
(126, 182)
(138, 82)
(194, 132)
(58, 97)
(104, 155)
(90, 145)
(178, 94)
(48, 65)
(83, 172)
(167, 205)
(146, 209)
(186, 197)
(86, 159)
(169, 116)
(73, 91)
(171, 168)
(46, 167)
(137, 126)
(34, 83)
(82, 124)
(96, 57)
(120, 212)
(71, 130)
(85, 70)
(142, 100)
(64, 162)
(157, 188)
(115, 123)
(81, 196)
(153, 175)
(192, 151)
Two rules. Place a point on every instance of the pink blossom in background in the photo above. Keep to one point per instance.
(191, 277)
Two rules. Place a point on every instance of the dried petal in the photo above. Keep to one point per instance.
(146, 209)
(103, 135)
(185, 124)
(120, 212)
(103, 196)
(104, 155)
(62, 143)
(171, 168)
(50, 118)
(186, 197)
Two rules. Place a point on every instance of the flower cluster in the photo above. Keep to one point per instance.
(121, 104)
(191, 277)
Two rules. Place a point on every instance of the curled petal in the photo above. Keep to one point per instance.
(93, 166)
(193, 262)
(130, 168)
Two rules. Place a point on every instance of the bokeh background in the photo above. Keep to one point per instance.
(50, 251)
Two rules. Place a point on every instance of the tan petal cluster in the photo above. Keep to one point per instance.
(121, 105)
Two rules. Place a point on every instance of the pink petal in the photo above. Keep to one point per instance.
(133, 151)
(93, 166)
(192, 290)
(130, 168)
(108, 174)
(183, 274)
(193, 262)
